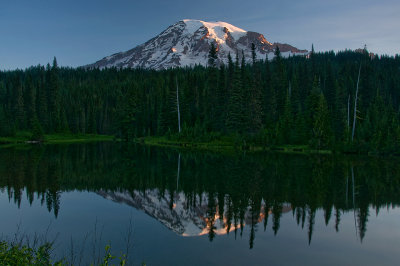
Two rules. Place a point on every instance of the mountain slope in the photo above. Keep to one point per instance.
(187, 43)
(181, 216)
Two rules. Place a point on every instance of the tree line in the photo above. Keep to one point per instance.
(301, 100)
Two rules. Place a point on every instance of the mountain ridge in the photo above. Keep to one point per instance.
(187, 43)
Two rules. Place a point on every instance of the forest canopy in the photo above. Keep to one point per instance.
(300, 100)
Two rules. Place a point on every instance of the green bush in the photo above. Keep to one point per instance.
(16, 255)
(24, 255)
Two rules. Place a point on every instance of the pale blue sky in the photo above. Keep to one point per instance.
(81, 32)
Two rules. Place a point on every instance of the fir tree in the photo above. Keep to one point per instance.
(253, 53)
(37, 131)
(255, 100)
(318, 118)
(235, 115)
(19, 108)
(211, 117)
(212, 55)
(7, 128)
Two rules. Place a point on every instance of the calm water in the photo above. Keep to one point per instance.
(203, 209)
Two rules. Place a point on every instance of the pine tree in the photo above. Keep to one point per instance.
(330, 87)
(53, 96)
(279, 81)
(277, 54)
(285, 125)
(246, 90)
(235, 114)
(41, 106)
(318, 118)
(222, 96)
(19, 107)
(367, 82)
(212, 55)
(255, 98)
(253, 53)
(64, 126)
(37, 131)
(270, 105)
(30, 100)
(7, 128)
(322, 132)
(210, 115)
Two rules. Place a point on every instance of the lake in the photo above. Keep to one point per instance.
(164, 207)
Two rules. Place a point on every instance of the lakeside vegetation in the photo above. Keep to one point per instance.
(225, 145)
(23, 254)
(342, 102)
(15, 254)
(25, 137)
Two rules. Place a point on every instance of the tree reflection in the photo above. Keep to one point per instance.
(229, 193)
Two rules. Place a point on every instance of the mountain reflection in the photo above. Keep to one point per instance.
(206, 194)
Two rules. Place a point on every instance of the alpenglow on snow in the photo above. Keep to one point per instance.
(187, 43)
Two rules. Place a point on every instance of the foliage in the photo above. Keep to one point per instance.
(37, 131)
(295, 100)
(24, 255)
(16, 254)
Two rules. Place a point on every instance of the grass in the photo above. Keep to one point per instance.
(23, 137)
(73, 138)
(22, 254)
(37, 249)
(222, 145)
(226, 144)
(25, 255)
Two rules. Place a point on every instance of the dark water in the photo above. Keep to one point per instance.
(203, 209)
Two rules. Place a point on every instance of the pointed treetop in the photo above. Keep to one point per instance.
(277, 53)
(55, 65)
(230, 61)
(243, 60)
(212, 55)
(237, 58)
(253, 52)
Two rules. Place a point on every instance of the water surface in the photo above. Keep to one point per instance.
(172, 208)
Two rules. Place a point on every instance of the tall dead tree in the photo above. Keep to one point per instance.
(348, 112)
(355, 105)
(177, 103)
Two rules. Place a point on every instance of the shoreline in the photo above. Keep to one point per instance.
(226, 146)
(24, 139)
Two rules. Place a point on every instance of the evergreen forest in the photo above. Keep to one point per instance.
(344, 101)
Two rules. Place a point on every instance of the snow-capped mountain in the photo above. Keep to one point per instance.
(177, 212)
(187, 43)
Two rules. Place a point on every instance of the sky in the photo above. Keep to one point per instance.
(80, 32)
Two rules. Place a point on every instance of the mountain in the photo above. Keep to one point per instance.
(185, 217)
(187, 43)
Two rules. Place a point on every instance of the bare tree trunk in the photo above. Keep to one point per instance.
(178, 174)
(354, 199)
(177, 102)
(347, 189)
(348, 112)
(355, 105)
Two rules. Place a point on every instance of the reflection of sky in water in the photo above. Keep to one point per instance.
(155, 244)
(175, 200)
